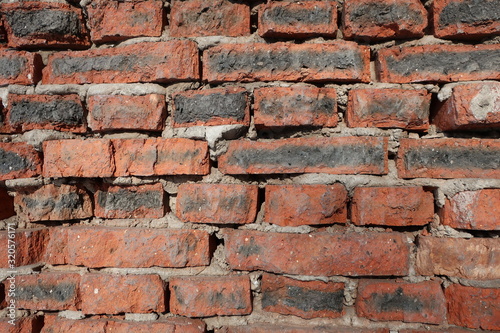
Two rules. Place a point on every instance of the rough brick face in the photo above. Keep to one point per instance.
(295, 106)
(386, 108)
(175, 60)
(217, 203)
(422, 302)
(198, 18)
(205, 296)
(320, 253)
(343, 155)
(298, 20)
(392, 206)
(471, 106)
(118, 112)
(136, 19)
(306, 299)
(31, 324)
(476, 259)
(18, 160)
(477, 210)
(30, 246)
(294, 205)
(338, 61)
(6, 204)
(19, 67)
(375, 19)
(54, 203)
(218, 106)
(449, 158)
(267, 328)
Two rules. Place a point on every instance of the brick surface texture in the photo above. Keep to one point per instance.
(234, 166)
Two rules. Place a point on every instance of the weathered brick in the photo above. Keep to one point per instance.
(376, 20)
(113, 294)
(44, 24)
(175, 60)
(206, 296)
(124, 202)
(392, 206)
(6, 204)
(217, 203)
(124, 247)
(477, 210)
(54, 203)
(295, 205)
(449, 158)
(20, 67)
(320, 253)
(336, 61)
(466, 18)
(48, 291)
(31, 324)
(421, 302)
(298, 20)
(78, 158)
(217, 106)
(269, 328)
(295, 106)
(112, 21)
(306, 299)
(470, 106)
(118, 112)
(336, 155)
(385, 108)
(477, 258)
(198, 18)
(19, 160)
(158, 156)
(450, 329)
(52, 112)
(473, 307)
(439, 63)
(30, 246)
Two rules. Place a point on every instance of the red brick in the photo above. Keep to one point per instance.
(54, 203)
(125, 247)
(158, 156)
(270, 328)
(392, 206)
(6, 205)
(48, 291)
(376, 19)
(321, 253)
(30, 246)
(306, 299)
(295, 205)
(112, 21)
(298, 20)
(335, 155)
(476, 210)
(439, 63)
(44, 24)
(338, 61)
(206, 296)
(78, 158)
(175, 60)
(19, 160)
(449, 158)
(51, 112)
(473, 307)
(386, 108)
(56, 324)
(118, 112)
(113, 294)
(442, 330)
(31, 324)
(477, 258)
(217, 106)
(471, 106)
(199, 18)
(124, 202)
(217, 203)
(295, 106)
(465, 19)
(421, 302)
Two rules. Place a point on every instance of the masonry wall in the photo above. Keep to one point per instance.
(250, 166)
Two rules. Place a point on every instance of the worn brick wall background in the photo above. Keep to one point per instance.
(250, 166)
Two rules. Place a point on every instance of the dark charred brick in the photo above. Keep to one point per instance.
(20, 67)
(6, 204)
(18, 160)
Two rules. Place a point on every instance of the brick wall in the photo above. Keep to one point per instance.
(250, 166)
